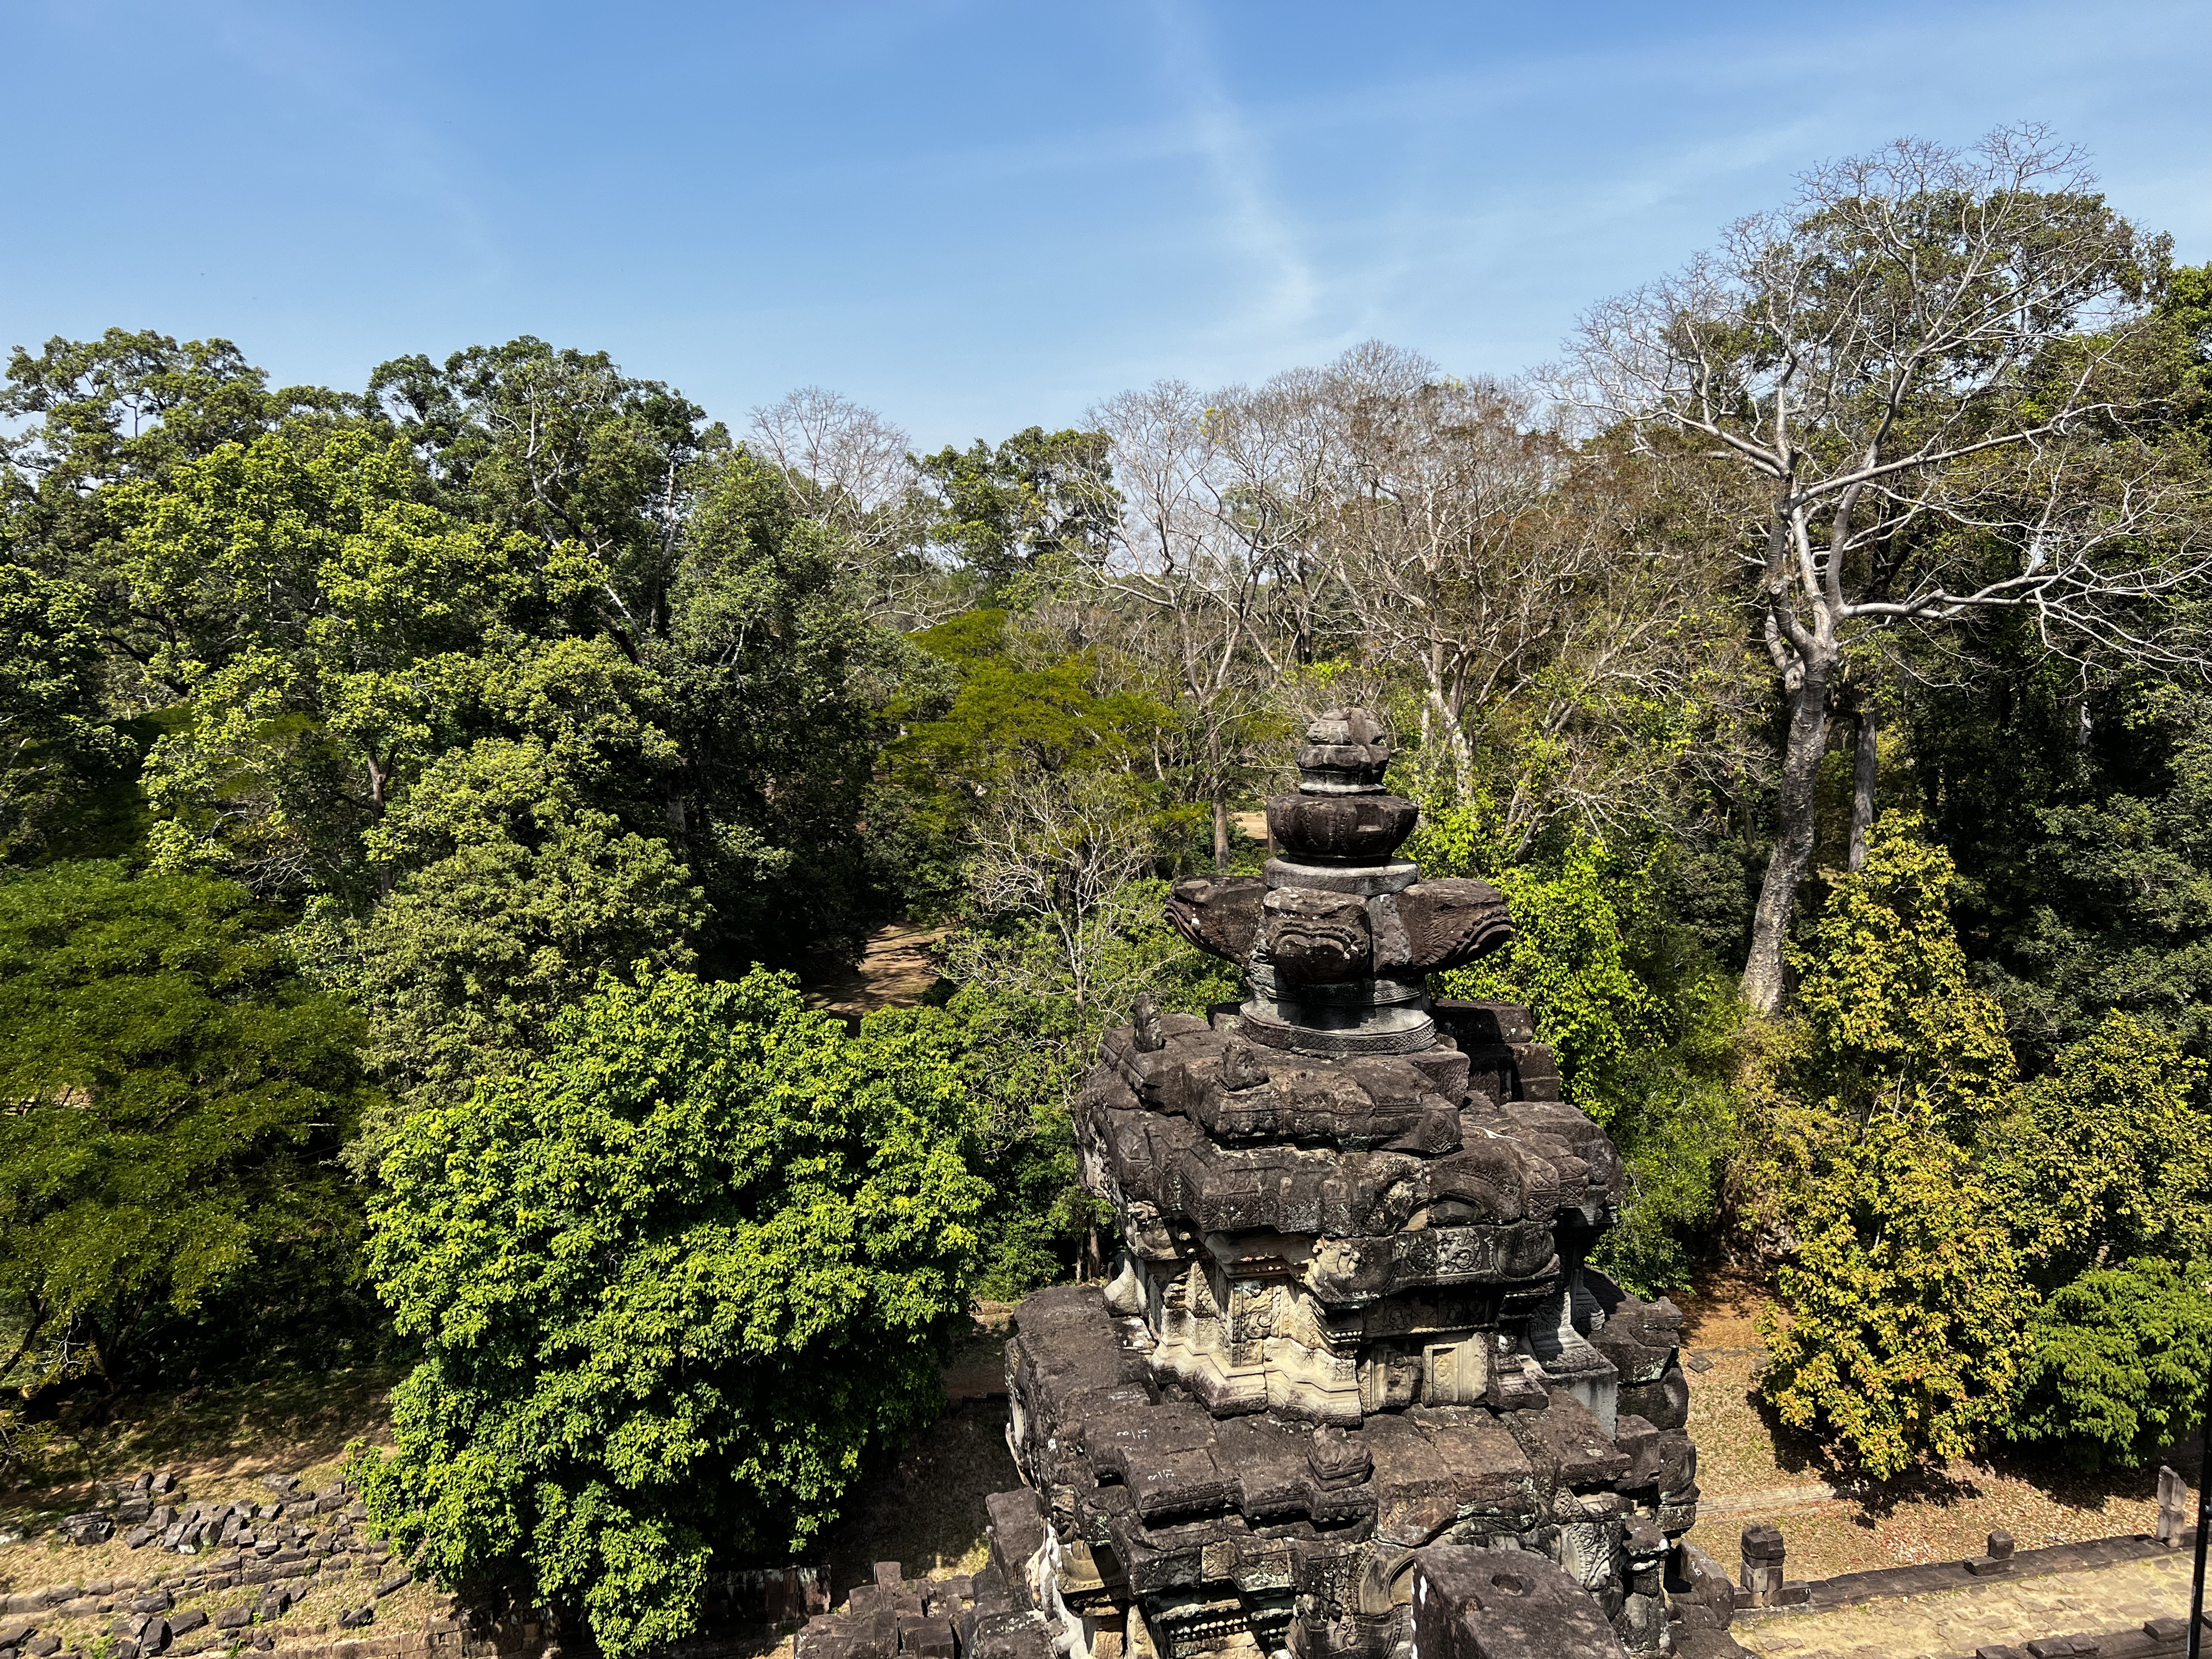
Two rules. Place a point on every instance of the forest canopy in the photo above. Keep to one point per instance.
(411, 795)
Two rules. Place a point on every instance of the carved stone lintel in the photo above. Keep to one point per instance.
(1452, 922)
(1317, 936)
(1221, 918)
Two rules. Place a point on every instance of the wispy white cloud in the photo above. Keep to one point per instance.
(1255, 222)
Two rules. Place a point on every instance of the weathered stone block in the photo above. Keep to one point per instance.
(1480, 1604)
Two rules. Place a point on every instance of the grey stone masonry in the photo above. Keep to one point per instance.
(1352, 1387)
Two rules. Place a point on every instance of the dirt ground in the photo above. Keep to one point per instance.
(897, 970)
(922, 1507)
(1752, 1469)
(211, 1439)
(218, 1443)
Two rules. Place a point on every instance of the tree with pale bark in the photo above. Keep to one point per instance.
(1193, 566)
(1921, 375)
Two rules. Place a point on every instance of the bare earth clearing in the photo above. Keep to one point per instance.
(1750, 1469)
(218, 1443)
(896, 971)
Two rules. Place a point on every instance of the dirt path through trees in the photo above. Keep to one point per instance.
(896, 972)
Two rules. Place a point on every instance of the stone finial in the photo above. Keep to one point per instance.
(2172, 1506)
(1762, 1557)
(1345, 751)
(1241, 1069)
(1336, 1460)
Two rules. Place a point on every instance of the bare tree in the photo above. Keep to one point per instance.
(1055, 851)
(1195, 579)
(1918, 371)
(848, 470)
(1396, 521)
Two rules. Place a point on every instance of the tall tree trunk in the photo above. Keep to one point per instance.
(378, 782)
(1793, 843)
(1865, 752)
(1220, 805)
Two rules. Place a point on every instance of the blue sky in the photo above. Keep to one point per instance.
(976, 217)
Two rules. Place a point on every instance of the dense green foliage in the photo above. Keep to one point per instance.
(671, 1284)
(411, 800)
(1963, 1249)
(2117, 1362)
(1639, 1013)
(1904, 1297)
(176, 1094)
(1901, 1283)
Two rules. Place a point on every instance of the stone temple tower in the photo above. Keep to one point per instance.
(1352, 1390)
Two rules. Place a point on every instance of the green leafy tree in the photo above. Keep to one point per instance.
(2117, 1362)
(176, 1092)
(1643, 1023)
(1905, 1306)
(1903, 1297)
(2186, 308)
(563, 446)
(766, 676)
(671, 1285)
(2104, 1168)
(126, 407)
(53, 740)
(776, 684)
(1891, 1015)
(992, 736)
(2080, 813)
(1021, 1059)
(1037, 501)
(2107, 1158)
(517, 897)
(1570, 964)
(321, 625)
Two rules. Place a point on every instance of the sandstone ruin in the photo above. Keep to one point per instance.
(1352, 1390)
